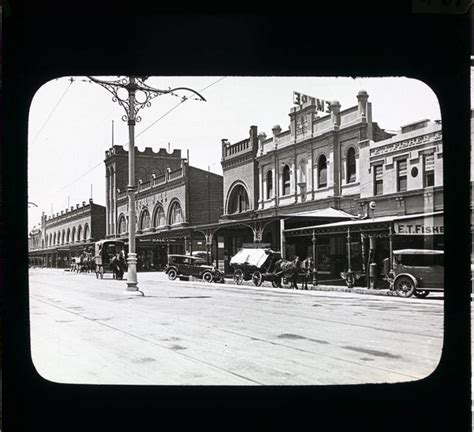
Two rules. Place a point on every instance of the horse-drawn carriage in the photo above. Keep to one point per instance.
(107, 260)
(261, 265)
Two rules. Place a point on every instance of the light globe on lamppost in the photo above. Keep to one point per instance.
(132, 105)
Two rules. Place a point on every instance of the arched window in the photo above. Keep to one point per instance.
(54, 239)
(286, 186)
(269, 184)
(302, 171)
(238, 200)
(73, 234)
(144, 220)
(160, 219)
(322, 172)
(175, 213)
(68, 236)
(122, 225)
(79, 233)
(86, 232)
(351, 166)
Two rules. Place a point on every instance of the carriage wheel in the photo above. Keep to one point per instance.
(257, 278)
(238, 277)
(276, 283)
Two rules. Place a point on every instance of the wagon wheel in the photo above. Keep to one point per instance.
(238, 277)
(276, 283)
(257, 278)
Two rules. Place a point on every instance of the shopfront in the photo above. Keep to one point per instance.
(359, 244)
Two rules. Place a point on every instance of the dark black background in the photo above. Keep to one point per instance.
(45, 41)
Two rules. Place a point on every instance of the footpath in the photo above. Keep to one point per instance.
(325, 287)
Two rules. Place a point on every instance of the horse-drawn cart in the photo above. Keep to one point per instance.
(256, 265)
(106, 258)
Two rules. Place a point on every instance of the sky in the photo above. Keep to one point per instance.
(70, 124)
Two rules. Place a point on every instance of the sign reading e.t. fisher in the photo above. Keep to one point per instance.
(302, 99)
(420, 226)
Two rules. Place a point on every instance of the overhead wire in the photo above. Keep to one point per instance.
(137, 135)
(52, 111)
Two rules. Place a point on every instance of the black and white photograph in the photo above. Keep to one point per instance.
(230, 230)
(252, 221)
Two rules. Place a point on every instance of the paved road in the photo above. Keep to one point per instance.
(85, 330)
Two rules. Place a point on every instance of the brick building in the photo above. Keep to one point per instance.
(305, 174)
(66, 234)
(400, 203)
(172, 198)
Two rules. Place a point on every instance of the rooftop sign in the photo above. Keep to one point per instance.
(302, 99)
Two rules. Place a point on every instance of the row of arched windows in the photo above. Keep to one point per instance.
(322, 178)
(175, 216)
(68, 236)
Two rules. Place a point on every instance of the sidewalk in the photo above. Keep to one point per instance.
(324, 287)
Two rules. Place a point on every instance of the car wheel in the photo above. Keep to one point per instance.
(421, 293)
(257, 278)
(404, 286)
(172, 274)
(238, 277)
(207, 276)
(276, 283)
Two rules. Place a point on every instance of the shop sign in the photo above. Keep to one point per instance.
(302, 99)
(420, 226)
(405, 144)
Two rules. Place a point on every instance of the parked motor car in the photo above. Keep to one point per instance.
(417, 272)
(186, 265)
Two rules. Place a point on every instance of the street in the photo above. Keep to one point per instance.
(87, 330)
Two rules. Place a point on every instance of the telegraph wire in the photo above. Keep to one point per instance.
(136, 136)
(71, 80)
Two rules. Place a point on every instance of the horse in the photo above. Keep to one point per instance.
(290, 269)
(307, 266)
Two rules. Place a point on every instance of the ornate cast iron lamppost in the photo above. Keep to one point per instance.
(134, 86)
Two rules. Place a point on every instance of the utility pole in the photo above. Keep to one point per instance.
(132, 104)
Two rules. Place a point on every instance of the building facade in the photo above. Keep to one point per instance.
(66, 234)
(400, 203)
(172, 197)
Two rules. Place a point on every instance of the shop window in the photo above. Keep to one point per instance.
(351, 166)
(428, 169)
(378, 180)
(402, 175)
(322, 172)
(145, 220)
(160, 217)
(176, 214)
(269, 184)
(286, 185)
(122, 225)
(239, 200)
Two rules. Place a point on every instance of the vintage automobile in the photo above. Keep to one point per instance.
(187, 265)
(416, 272)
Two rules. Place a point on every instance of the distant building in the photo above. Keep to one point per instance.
(172, 197)
(66, 234)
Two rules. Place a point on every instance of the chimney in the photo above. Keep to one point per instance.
(362, 97)
(261, 138)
